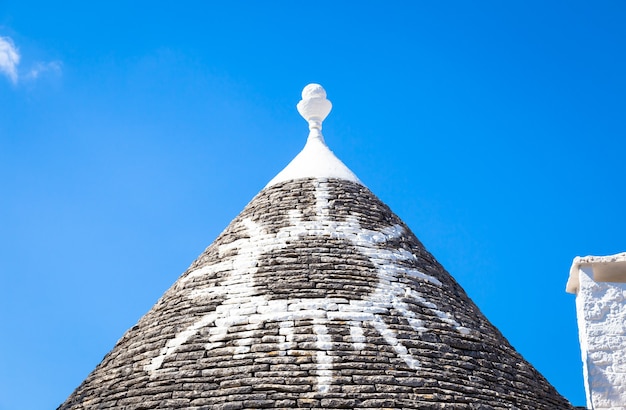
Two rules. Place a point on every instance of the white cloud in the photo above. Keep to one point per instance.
(41, 68)
(9, 58)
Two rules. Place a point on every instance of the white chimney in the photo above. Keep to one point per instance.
(599, 283)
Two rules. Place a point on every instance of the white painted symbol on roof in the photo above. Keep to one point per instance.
(243, 305)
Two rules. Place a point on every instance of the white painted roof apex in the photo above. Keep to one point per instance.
(315, 160)
(610, 268)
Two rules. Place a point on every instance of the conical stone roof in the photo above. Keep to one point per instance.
(315, 296)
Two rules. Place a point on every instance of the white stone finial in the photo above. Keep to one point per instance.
(314, 107)
(315, 160)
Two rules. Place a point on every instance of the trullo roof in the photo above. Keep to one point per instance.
(315, 296)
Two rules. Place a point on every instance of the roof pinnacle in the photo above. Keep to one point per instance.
(315, 160)
(314, 107)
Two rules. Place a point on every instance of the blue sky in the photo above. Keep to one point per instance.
(131, 133)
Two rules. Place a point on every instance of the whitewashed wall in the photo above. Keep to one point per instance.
(601, 311)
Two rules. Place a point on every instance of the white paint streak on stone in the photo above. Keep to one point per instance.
(182, 337)
(324, 362)
(286, 330)
(390, 338)
(444, 316)
(357, 336)
(211, 346)
(322, 206)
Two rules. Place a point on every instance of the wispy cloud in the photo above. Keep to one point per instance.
(9, 58)
(53, 67)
